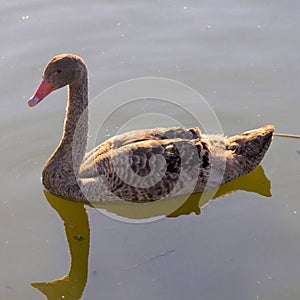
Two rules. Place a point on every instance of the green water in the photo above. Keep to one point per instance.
(243, 58)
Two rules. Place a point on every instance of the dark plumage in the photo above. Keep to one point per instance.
(142, 165)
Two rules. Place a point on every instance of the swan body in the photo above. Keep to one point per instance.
(142, 165)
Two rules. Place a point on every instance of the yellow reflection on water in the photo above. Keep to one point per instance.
(77, 230)
(255, 182)
(74, 215)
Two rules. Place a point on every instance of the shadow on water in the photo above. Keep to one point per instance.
(74, 215)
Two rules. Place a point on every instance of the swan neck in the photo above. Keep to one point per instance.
(74, 139)
(62, 168)
(76, 114)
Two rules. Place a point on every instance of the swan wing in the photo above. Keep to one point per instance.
(150, 169)
(133, 137)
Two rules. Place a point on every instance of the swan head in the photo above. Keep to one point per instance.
(62, 70)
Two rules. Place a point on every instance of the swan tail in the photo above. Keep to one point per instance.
(245, 151)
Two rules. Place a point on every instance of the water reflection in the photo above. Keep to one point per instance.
(74, 215)
(77, 230)
(255, 181)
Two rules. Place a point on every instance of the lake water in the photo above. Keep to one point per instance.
(243, 58)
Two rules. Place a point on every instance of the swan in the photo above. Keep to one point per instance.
(141, 165)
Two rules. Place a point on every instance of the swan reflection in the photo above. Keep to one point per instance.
(77, 231)
(75, 218)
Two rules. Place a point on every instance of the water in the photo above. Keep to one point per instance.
(244, 59)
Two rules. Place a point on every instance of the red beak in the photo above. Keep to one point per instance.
(44, 89)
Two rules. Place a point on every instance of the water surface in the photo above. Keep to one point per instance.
(243, 57)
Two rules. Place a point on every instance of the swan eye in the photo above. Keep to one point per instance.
(59, 70)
